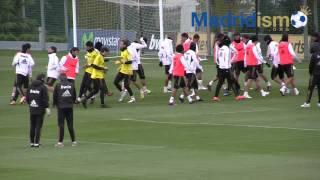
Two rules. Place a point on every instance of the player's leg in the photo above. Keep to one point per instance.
(69, 119)
(20, 84)
(133, 79)
(39, 123)
(142, 78)
(219, 85)
(32, 130)
(126, 81)
(262, 76)
(311, 87)
(195, 86)
(14, 94)
(61, 118)
(176, 83)
(102, 85)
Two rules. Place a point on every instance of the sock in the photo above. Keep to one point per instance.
(224, 87)
(211, 83)
(171, 100)
(283, 84)
(245, 93)
(144, 88)
(181, 96)
(198, 98)
(268, 83)
(245, 83)
(200, 82)
(169, 85)
(189, 98)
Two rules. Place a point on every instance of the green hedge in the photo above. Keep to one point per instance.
(32, 37)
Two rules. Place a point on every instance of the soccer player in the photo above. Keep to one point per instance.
(196, 39)
(252, 60)
(165, 56)
(38, 100)
(216, 43)
(133, 50)
(224, 63)
(314, 71)
(52, 68)
(177, 68)
(238, 58)
(137, 65)
(97, 77)
(69, 64)
(125, 71)
(286, 58)
(185, 41)
(23, 63)
(86, 82)
(64, 96)
(192, 64)
(272, 53)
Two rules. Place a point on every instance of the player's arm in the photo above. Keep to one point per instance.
(258, 54)
(96, 63)
(15, 60)
(45, 97)
(293, 54)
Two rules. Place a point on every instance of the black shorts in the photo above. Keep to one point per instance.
(198, 70)
(276, 72)
(260, 69)
(287, 69)
(50, 81)
(252, 72)
(166, 69)
(22, 81)
(179, 82)
(238, 67)
(192, 81)
(140, 72)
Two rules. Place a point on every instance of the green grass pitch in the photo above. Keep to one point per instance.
(256, 139)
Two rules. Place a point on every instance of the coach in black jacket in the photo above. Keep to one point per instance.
(314, 71)
(38, 100)
(64, 95)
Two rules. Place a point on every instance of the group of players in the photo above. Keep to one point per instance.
(242, 55)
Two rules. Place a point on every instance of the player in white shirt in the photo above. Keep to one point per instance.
(272, 54)
(165, 56)
(137, 65)
(53, 69)
(196, 39)
(225, 72)
(192, 64)
(23, 63)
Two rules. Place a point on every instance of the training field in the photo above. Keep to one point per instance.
(256, 139)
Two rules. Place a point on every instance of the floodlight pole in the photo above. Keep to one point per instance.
(74, 19)
(161, 19)
(315, 15)
(42, 29)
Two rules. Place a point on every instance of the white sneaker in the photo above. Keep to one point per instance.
(122, 95)
(74, 143)
(283, 90)
(305, 105)
(132, 100)
(165, 90)
(192, 92)
(171, 101)
(22, 100)
(147, 91)
(190, 99)
(59, 145)
(78, 99)
(141, 94)
(202, 87)
(318, 105)
(264, 93)
(296, 91)
(246, 95)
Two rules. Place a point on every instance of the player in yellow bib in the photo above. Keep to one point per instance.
(98, 72)
(125, 71)
(86, 80)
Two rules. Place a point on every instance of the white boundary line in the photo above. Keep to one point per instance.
(219, 124)
(92, 142)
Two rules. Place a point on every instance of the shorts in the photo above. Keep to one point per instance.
(252, 72)
(276, 72)
(179, 82)
(166, 69)
(287, 69)
(50, 81)
(140, 72)
(239, 67)
(22, 81)
(260, 68)
(192, 81)
(198, 70)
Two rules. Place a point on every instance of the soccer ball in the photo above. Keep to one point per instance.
(299, 19)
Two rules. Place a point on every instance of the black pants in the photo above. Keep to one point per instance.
(98, 85)
(65, 114)
(36, 121)
(125, 77)
(313, 82)
(85, 84)
(192, 81)
(224, 74)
